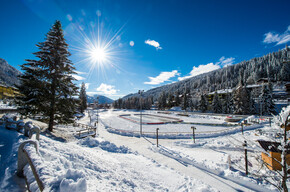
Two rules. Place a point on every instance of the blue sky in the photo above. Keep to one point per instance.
(146, 43)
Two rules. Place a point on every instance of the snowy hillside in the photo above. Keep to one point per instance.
(102, 99)
(8, 74)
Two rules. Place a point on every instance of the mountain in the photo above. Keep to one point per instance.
(273, 65)
(8, 74)
(102, 99)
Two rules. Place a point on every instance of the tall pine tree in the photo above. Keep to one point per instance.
(202, 103)
(267, 104)
(46, 84)
(83, 98)
(216, 104)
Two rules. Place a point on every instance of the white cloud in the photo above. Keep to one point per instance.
(162, 77)
(224, 62)
(132, 43)
(106, 89)
(153, 43)
(272, 37)
(200, 70)
(77, 77)
(69, 17)
(81, 73)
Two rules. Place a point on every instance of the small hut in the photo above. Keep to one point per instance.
(272, 148)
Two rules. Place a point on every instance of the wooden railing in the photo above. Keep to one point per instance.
(87, 129)
(23, 159)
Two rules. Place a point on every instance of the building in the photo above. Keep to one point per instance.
(8, 92)
(273, 160)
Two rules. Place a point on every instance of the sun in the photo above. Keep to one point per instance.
(98, 54)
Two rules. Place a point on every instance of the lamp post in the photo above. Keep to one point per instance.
(140, 93)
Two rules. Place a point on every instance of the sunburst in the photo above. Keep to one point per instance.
(98, 50)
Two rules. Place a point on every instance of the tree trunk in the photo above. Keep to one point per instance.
(52, 107)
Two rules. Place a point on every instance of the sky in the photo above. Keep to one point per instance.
(121, 46)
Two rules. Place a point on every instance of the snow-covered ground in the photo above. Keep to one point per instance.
(205, 125)
(112, 162)
(6, 105)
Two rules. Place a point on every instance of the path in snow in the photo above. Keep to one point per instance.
(144, 145)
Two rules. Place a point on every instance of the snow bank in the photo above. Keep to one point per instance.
(105, 145)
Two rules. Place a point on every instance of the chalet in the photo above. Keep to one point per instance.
(262, 81)
(8, 92)
(272, 157)
(221, 93)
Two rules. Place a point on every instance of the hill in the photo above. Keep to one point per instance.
(8, 74)
(102, 99)
(272, 64)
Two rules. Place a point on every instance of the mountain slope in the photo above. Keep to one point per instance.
(102, 99)
(8, 74)
(272, 64)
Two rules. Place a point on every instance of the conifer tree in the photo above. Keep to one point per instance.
(185, 101)
(83, 98)
(203, 103)
(177, 98)
(216, 104)
(46, 84)
(267, 104)
(162, 101)
(242, 98)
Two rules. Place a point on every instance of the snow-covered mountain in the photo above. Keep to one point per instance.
(228, 77)
(8, 74)
(102, 99)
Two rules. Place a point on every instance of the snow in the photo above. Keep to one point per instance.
(206, 125)
(113, 162)
(6, 105)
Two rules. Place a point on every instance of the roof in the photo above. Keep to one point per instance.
(272, 146)
(222, 91)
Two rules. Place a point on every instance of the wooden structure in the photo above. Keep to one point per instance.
(272, 158)
(8, 92)
(86, 131)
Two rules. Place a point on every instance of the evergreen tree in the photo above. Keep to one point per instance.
(83, 98)
(242, 100)
(227, 104)
(162, 101)
(170, 100)
(216, 104)
(267, 104)
(46, 84)
(203, 103)
(177, 98)
(185, 101)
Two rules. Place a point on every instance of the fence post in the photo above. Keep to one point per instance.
(246, 157)
(193, 134)
(157, 129)
(242, 128)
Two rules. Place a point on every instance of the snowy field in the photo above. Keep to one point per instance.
(206, 125)
(113, 162)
